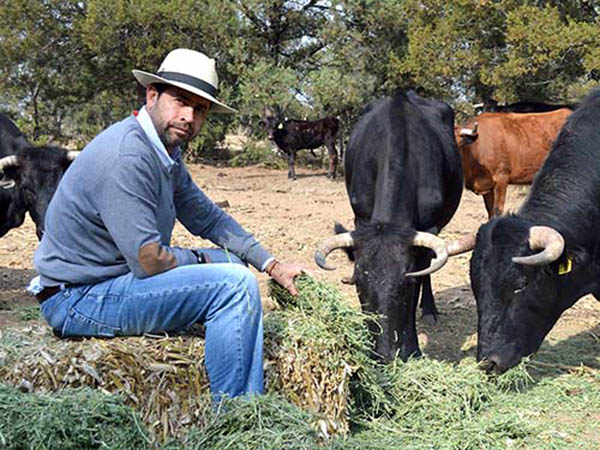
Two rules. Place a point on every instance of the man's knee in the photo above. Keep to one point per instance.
(247, 286)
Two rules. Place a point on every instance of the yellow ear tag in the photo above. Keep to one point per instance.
(565, 267)
(280, 126)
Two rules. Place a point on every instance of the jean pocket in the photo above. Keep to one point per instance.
(77, 324)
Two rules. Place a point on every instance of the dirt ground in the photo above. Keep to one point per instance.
(289, 218)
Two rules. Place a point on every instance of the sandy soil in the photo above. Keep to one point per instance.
(290, 217)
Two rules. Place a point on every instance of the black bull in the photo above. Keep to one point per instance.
(404, 180)
(528, 268)
(30, 177)
(293, 135)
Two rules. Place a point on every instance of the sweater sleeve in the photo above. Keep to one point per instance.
(203, 218)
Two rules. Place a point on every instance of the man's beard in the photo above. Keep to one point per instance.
(171, 141)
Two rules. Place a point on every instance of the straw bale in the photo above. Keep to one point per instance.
(163, 377)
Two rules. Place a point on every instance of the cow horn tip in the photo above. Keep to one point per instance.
(322, 261)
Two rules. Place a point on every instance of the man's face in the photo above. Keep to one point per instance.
(177, 114)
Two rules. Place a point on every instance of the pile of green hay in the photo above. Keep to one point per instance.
(267, 422)
(70, 419)
(320, 350)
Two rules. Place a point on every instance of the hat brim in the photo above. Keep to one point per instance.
(145, 78)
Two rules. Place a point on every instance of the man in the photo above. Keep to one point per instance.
(106, 267)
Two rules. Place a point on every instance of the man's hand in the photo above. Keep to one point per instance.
(284, 274)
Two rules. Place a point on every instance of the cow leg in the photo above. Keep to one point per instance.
(500, 196)
(333, 160)
(488, 199)
(430, 312)
(291, 170)
(410, 343)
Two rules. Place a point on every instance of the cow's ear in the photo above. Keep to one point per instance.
(11, 173)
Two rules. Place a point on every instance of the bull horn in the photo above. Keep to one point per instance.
(469, 131)
(72, 154)
(436, 244)
(7, 184)
(9, 161)
(546, 239)
(462, 245)
(326, 246)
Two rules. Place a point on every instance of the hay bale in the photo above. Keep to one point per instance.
(319, 348)
(72, 419)
(162, 377)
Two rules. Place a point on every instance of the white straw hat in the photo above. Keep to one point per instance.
(190, 70)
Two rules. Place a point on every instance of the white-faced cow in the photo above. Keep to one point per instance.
(528, 268)
(293, 135)
(30, 177)
(498, 149)
(404, 181)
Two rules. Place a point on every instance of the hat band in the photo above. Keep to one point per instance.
(192, 81)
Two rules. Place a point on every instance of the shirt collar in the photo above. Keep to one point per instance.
(147, 125)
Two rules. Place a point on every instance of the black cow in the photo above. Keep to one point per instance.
(11, 138)
(31, 175)
(404, 180)
(529, 267)
(293, 135)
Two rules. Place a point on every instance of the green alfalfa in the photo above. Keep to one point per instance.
(323, 354)
(265, 422)
(69, 419)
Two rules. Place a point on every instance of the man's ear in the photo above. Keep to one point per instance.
(151, 95)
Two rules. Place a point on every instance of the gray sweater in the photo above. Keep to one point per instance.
(120, 194)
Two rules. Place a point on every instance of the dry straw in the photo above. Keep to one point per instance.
(161, 377)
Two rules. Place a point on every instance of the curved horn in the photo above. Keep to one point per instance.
(469, 131)
(7, 184)
(436, 244)
(462, 245)
(326, 246)
(546, 239)
(8, 161)
(72, 154)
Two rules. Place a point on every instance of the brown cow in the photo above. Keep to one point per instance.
(499, 149)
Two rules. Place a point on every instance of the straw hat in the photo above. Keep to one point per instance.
(190, 70)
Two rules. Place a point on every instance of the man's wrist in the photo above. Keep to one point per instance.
(200, 257)
(271, 267)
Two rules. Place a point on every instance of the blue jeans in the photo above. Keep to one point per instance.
(222, 295)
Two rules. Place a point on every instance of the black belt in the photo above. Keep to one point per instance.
(46, 293)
